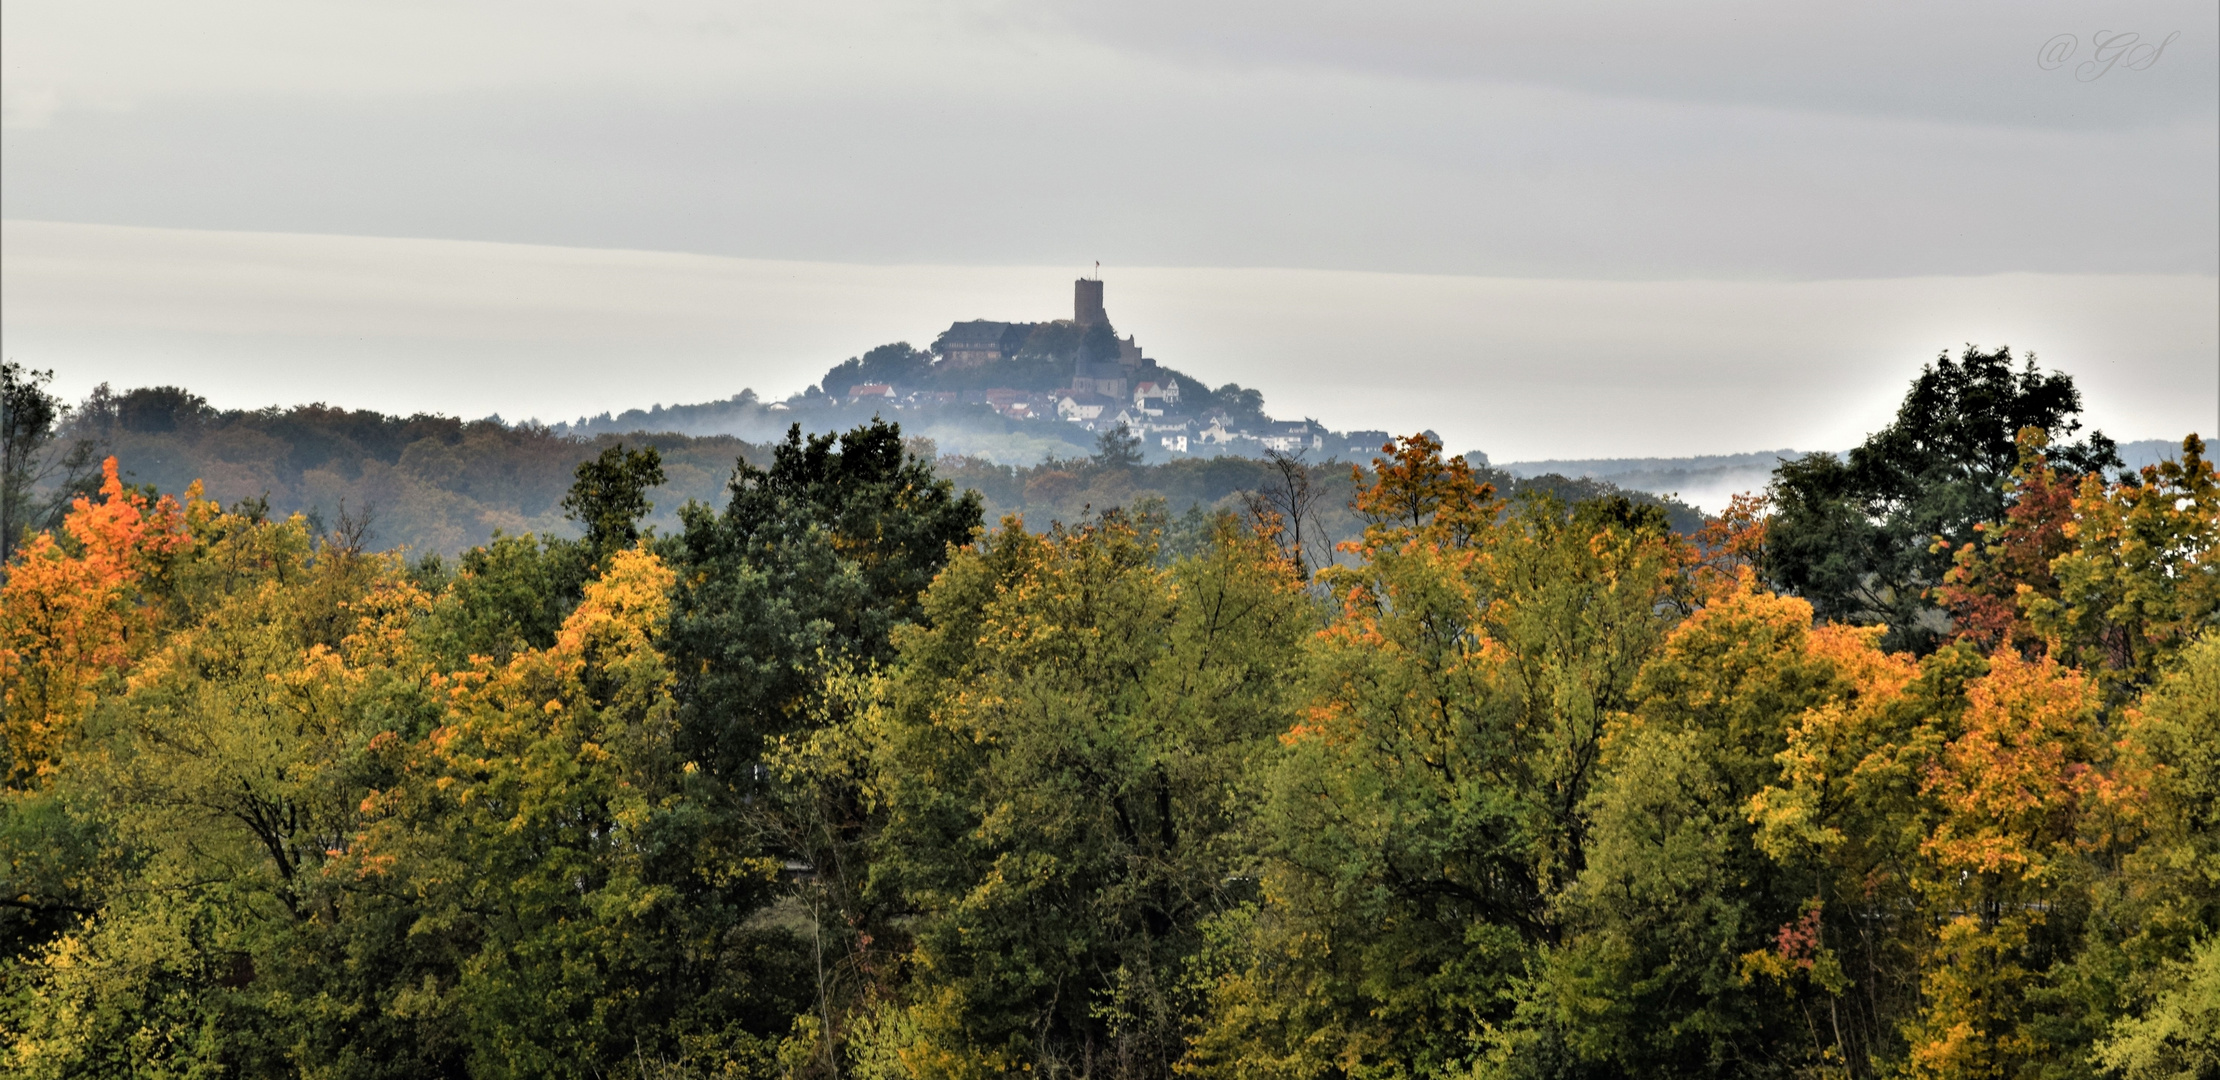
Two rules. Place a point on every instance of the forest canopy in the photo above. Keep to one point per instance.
(832, 767)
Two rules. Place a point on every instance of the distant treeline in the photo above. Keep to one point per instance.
(436, 484)
(431, 483)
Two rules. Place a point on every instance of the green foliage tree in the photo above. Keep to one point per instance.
(1066, 752)
(898, 364)
(512, 593)
(1245, 405)
(550, 824)
(610, 496)
(508, 596)
(1098, 345)
(160, 409)
(1117, 448)
(30, 419)
(27, 415)
(813, 562)
(2178, 1037)
(1857, 537)
(2157, 972)
(1055, 343)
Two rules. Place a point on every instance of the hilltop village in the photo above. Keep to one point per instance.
(1077, 372)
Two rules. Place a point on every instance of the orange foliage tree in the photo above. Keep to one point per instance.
(2003, 863)
(75, 610)
(1417, 494)
(1731, 543)
(1993, 579)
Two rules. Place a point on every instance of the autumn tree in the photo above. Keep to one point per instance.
(2142, 581)
(832, 783)
(2163, 967)
(1654, 974)
(1066, 751)
(2003, 868)
(217, 786)
(74, 612)
(1995, 577)
(550, 825)
(1427, 813)
(329, 848)
(1857, 536)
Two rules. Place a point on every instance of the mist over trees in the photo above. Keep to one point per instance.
(831, 765)
(440, 485)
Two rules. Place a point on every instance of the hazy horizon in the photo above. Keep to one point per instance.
(1585, 229)
(1520, 369)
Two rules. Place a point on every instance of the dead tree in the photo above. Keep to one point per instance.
(1285, 507)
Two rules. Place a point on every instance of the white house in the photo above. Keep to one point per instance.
(1293, 437)
(1368, 443)
(1080, 407)
(1153, 397)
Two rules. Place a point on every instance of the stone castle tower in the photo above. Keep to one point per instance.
(1086, 302)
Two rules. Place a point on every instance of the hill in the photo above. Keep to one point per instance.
(1018, 393)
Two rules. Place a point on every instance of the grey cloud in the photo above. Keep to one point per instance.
(1972, 62)
(1261, 169)
(1730, 138)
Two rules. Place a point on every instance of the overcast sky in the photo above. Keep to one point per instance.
(1793, 206)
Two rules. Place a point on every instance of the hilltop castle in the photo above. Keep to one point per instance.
(1078, 371)
(1086, 302)
(981, 342)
